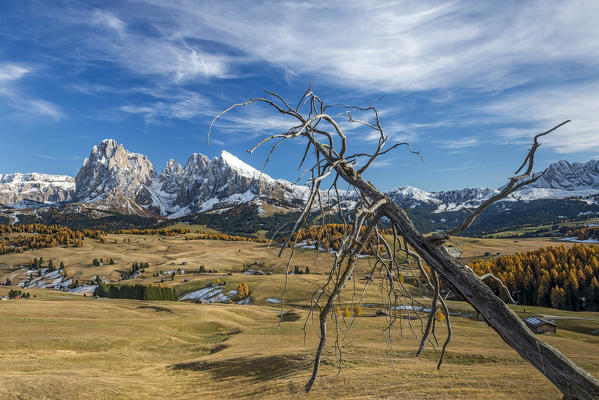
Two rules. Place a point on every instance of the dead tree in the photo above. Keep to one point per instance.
(327, 144)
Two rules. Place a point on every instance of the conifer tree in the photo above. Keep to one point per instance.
(243, 291)
(346, 312)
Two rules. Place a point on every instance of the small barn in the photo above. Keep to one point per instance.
(540, 325)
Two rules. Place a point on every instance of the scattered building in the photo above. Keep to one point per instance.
(540, 325)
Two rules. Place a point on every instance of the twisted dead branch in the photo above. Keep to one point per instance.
(330, 149)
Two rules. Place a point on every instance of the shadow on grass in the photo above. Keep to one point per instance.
(258, 369)
(289, 316)
(466, 359)
(157, 308)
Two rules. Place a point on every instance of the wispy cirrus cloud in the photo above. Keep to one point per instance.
(459, 143)
(540, 109)
(398, 45)
(9, 73)
(16, 99)
(155, 49)
(394, 46)
(512, 52)
(186, 105)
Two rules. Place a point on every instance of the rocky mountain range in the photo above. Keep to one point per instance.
(113, 178)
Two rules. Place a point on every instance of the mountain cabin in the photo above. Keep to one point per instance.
(540, 325)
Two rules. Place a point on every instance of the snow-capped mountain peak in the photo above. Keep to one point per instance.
(172, 167)
(240, 167)
(413, 193)
(114, 178)
(570, 176)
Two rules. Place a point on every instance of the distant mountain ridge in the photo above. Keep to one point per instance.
(113, 178)
(42, 188)
(563, 180)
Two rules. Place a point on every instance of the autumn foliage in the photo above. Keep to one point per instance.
(330, 236)
(243, 291)
(558, 277)
(37, 236)
(581, 232)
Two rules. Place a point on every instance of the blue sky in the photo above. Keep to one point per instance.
(466, 83)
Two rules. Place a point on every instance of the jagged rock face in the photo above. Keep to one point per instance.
(570, 176)
(562, 180)
(466, 195)
(451, 200)
(114, 178)
(454, 200)
(171, 177)
(226, 180)
(37, 187)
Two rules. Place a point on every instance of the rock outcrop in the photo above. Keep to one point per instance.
(116, 179)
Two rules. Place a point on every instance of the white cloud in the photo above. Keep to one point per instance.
(11, 72)
(369, 47)
(543, 108)
(185, 105)
(44, 107)
(398, 45)
(160, 53)
(109, 20)
(253, 121)
(460, 143)
(17, 100)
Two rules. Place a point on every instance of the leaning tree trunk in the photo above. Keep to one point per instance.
(570, 379)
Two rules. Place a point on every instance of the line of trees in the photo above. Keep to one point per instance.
(37, 263)
(581, 232)
(226, 237)
(330, 236)
(37, 236)
(558, 277)
(136, 291)
(153, 231)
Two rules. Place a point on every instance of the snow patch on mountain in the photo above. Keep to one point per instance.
(113, 178)
(242, 168)
(41, 188)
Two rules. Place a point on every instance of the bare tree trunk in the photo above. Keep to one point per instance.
(570, 379)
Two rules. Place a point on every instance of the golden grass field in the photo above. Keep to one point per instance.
(65, 346)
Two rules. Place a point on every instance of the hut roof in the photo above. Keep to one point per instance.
(537, 321)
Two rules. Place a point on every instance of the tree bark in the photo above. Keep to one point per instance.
(570, 379)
